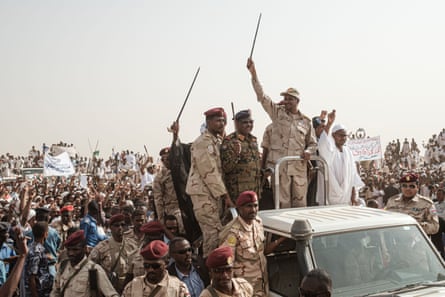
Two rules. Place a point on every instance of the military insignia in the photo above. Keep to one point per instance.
(229, 260)
(407, 178)
(231, 240)
(210, 149)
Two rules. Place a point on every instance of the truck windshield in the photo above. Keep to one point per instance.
(377, 260)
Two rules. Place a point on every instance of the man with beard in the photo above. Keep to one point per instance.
(344, 180)
(220, 264)
(71, 279)
(112, 254)
(240, 157)
(205, 184)
(156, 281)
(245, 236)
(183, 267)
(166, 202)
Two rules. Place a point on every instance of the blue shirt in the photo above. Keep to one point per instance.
(37, 265)
(193, 281)
(89, 225)
(5, 252)
(52, 244)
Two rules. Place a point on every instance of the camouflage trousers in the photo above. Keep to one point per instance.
(207, 212)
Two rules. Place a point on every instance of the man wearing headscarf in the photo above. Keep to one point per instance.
(344, 179)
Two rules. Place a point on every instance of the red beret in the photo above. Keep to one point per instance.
(67, 208)
(165, 150)
(221, 256)
(153, 227)
(155, 250)
(215, 112)
(75, 238)
(246, 197)
(409, 178)
(116, 218)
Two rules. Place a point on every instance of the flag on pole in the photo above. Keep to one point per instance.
(59, 165)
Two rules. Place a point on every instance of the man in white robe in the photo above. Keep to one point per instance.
(344, 180)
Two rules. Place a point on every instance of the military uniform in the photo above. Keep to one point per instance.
(241, 172)
(131, 237)
(165, 199)
(205, 187)
(171, 286)
(241, 288)
(135, 264)
(79, 285)
(419, 207)
(292, 135)
(107, 252)
(247, 242)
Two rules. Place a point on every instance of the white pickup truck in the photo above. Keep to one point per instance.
(367, 252)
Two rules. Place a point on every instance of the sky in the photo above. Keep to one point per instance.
(115, 73)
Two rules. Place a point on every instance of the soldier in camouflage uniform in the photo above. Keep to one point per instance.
(205, 184)
(166, 201)
(293, 136)
(419, 207)
(240, 158)
(112, 254)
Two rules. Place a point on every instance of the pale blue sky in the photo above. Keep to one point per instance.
(118, 71)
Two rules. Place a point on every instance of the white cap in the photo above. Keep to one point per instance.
(338, 127)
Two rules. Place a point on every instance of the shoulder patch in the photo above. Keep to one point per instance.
(231, 240)
(210, 149)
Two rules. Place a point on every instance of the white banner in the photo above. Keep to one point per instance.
(60, 165)
(366, 149)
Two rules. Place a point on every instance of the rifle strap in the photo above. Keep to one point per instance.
(62, 292)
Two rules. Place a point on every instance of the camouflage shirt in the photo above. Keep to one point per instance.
(241, 172)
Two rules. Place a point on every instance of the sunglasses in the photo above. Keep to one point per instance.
(411, 186)
(304, 293)
(182, 252)
(154, 266)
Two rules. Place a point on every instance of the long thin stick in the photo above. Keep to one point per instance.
(233, 111)
(188, 94)
(256, 32)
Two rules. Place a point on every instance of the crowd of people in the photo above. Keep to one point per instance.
(126, 226)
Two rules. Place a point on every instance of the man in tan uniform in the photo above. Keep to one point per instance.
(419, 207)
(205, 184)
(73, 277)
(135, 235)
(220, 264)
(112, 254)
(293, 136)
(166, 201)
(245, 235)
(156, 281)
